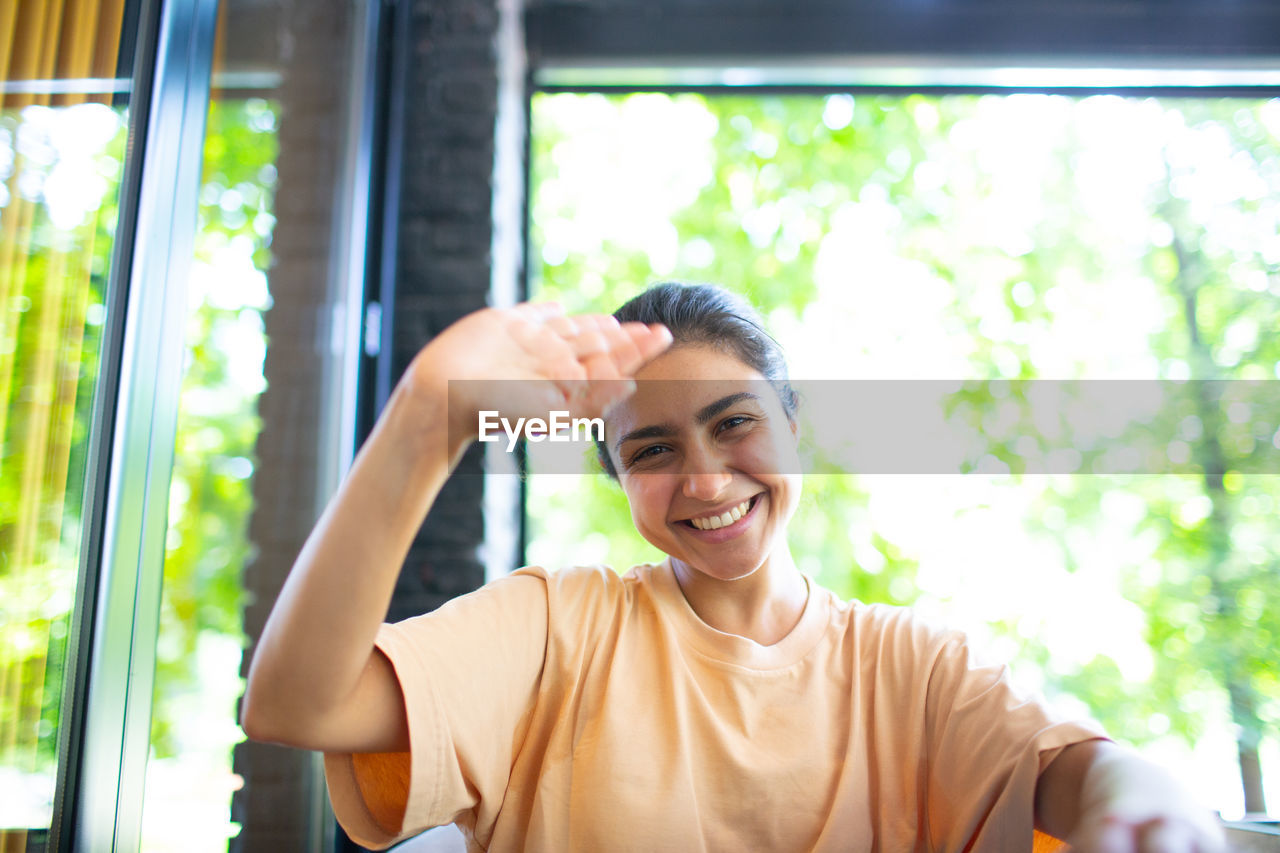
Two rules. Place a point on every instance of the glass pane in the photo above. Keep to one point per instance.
(62, 150)
(1025, 236)
(192, 772)
(189, 775)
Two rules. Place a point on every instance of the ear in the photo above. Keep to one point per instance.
(795, 430)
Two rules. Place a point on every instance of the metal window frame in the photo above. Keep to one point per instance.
(136, 58)
(108, 692)
(105, 740)
(356, 358)
(384, 53)
(727, 32)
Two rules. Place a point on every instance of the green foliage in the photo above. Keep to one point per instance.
(210, 498)
(777, 196)
(59, 271)
(755, 223)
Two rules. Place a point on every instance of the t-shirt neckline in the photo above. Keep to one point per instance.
(731, 648)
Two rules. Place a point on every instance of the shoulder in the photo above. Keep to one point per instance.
(586, 591)
(573, 582)
(570, 587)
(585, 605)
(899, 637)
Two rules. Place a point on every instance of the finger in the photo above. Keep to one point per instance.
(624, 357)
(539, 311)
(594, 331)
(566, 370)
(526, 330)
(565, 327)
(588, 342)
(1159, 835)
(649, 342)
(581, 334)
(601, 366)
(603, 395)
(1209, 836)
(572, 388)
(1109, 835)
(550, 355)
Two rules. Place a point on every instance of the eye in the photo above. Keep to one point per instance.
(647, 453)
(733, 422)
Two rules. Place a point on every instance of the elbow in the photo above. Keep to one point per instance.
(272, 713)
(254, 720)
(261, 717)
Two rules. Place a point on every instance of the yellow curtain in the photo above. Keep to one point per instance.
(45, 290)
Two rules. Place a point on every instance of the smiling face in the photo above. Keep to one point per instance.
(707, 458)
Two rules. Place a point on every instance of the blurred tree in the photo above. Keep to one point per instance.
(1215, 603)
(794, 193)
(58, 210)
(777, 175)
(210, 497)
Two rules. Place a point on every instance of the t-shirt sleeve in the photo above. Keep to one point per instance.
(986, 744)
(469, 672)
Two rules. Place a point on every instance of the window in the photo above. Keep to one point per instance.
(64, 116)
(133, 353)
(975, 236)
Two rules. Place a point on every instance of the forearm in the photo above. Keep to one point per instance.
(316, 680)
(1058, 791)
(319, 636)
(1100, 796)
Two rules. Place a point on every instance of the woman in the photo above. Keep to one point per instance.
(719, 700)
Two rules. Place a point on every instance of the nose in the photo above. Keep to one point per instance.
(705, 476)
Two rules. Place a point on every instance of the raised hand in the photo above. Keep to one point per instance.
(531, 359)
(316, 680)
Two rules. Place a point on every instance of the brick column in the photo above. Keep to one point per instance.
(277, 805)
(446, 232)
(444, 271)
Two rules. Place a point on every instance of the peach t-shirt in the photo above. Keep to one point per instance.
(580, 710)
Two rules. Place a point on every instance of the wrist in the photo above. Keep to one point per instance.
(1126, 794)
(421, 415)
(427, 387)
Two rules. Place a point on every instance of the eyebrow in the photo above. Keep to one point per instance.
(704, 415)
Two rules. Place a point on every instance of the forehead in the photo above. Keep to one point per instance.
(674, 386)
(697, 361)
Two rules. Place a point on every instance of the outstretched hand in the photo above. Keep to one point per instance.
(546, 360)
(1131, 806)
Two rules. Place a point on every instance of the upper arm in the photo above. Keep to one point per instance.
(439, 713)
(987, 741)
(371, 718)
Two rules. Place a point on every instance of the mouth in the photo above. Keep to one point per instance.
(728, 518)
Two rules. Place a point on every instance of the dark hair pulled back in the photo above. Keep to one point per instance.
(709, 315)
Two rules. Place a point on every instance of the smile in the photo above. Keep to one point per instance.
(724, 519)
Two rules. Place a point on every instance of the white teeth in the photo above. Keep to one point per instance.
(714, 522)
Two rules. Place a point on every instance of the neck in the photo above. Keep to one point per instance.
(764, 606)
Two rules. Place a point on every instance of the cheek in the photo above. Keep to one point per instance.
(772, 455)
(776, 463)
(794, 487)
(648, 498)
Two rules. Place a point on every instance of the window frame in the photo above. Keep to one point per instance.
(104, 740)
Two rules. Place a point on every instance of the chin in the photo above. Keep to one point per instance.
(723, 570)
